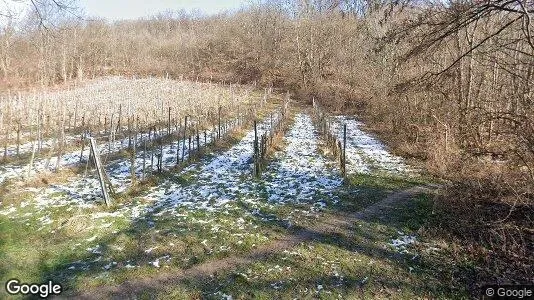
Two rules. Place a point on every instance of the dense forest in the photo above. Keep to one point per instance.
(447, 83)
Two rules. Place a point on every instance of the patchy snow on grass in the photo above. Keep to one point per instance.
(366, 154)
(402, 242)
(137, 96)
(85, 192)
(221, 295)
(16, 171)
(215, 187)
(119, 172)
(76, 195)
(78, 192)
(300, 173)
(218, 181)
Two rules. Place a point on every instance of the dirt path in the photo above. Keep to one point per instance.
(392, 201)
(330, 225)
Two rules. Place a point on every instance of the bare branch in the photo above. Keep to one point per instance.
(478, 45)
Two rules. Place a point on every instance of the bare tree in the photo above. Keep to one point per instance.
(45, 11)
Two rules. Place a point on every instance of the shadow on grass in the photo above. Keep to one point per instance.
(3, 250)
(194, 270)
(363, 190)
(205, 274)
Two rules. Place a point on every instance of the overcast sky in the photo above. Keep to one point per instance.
(133, 9)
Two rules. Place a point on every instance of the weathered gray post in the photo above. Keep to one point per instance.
(178, 141)
(219, 128)
(30, 165)
(183, 145)
(133, 157)
(119, 121)
(129, 123)
(169, 122)
(39, 137)
(160, 161)
(18, 136)
(84, 134)
(198, 142)
(100, 170)
(144, 160)
(344, 150)
(152, 139)
(256, 150)
(189, 148)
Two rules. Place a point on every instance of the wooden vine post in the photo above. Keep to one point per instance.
(119, 121)
(100, 170)
(39, 142)
(1, 127)
(263, 143)
(183, 144)
(219, 127)
(256, 152)
(337, 146)
(169, 122)
(198, 142)
(160, 154)
(133, 157)
(178, 128)
(344, 160)
(30, 165)
(7, 120)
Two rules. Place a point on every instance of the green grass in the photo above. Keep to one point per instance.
(353, 262)
(385, 181)
(359, 263)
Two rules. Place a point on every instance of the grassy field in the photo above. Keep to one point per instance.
(249, 250)
(209, 229)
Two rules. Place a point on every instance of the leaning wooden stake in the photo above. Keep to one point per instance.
(100, 170)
